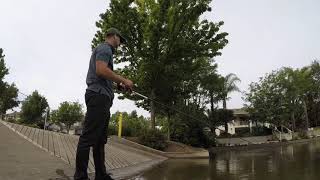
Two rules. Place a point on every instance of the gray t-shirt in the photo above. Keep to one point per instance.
(103, 52)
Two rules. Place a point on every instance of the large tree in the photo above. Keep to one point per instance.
(8, 92)
(267, 100)
(166, 39)
(33, 109)
(67, 113)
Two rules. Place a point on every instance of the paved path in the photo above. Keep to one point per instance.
(20, 158)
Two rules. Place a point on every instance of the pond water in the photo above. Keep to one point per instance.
(292, 162)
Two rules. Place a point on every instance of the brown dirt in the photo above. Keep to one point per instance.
(172, 146)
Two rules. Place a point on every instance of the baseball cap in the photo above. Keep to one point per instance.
(116, 32)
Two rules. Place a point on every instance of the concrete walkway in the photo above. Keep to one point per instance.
(54, 156)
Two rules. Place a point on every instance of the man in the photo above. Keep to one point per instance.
(99, 96)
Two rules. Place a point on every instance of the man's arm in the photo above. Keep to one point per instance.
(102, 70)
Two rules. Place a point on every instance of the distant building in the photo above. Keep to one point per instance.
(241, 120)
(14, 116)
(53, 127)
(76, 129)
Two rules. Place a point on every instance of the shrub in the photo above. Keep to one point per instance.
(303, 135)
(112, 129)
(256, 131)
(210, 140)
(153, 139)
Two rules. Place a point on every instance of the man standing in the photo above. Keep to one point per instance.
(99, 96)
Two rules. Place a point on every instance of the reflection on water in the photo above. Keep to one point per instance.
(294, 162)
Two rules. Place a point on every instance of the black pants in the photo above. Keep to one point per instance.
(94, 134)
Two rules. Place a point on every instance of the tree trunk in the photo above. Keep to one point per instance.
(306, 114)
(293, 121)
(224, 104)
(211, 102)
(226, 122)
(168, 127)
(152, 110)
(226, 126)
(318, 115)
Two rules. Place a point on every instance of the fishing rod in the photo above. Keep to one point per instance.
(123, 89)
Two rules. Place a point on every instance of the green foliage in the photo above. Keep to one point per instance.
(8, 93)
(209, 140)
(67, 113)
(132, 125)
(255, 131)
(219, 117)
(189, 128)
(3, 69)
(224, 116)
(8, 97)
(169, 55)
(33, 109)
(287, 97)
(161, 52)
(211, 83)
(303, 135)
(228, 86)
(112, 130)
(154, 139)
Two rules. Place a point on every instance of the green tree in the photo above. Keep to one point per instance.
(8, 93)
(284, 97)
(211, 83)
(314, 97)
(188, 128)
(132, 124)
(161, 52)
(3, 69)
(228, 86)
(33, 109)
(68, 113)
(268, 100)
(304, 85)
(8, 97)
(224, 116)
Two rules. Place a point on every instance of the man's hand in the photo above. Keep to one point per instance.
(128, 84)
(125, 87)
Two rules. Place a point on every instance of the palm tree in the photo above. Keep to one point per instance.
(228, 86)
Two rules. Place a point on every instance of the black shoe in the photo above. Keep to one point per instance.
(105, 177)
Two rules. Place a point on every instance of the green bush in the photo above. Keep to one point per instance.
(112, 129)
(256, 131)
(153, 139)
(225, 135)
(132, 125)
(303, 135)
(210, 140)
(12, 120)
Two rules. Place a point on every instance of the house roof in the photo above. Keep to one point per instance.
(239, 112)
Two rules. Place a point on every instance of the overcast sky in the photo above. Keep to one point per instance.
(47, 43)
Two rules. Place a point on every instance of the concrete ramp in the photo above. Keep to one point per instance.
(121, 160)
